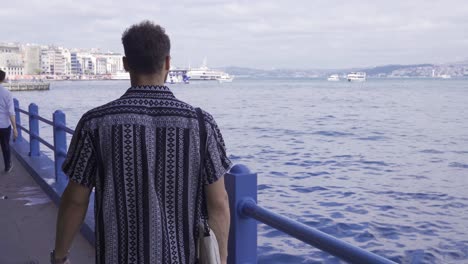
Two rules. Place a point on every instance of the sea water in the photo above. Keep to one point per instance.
(382, 164)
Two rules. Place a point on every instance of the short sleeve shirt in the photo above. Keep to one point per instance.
(7, 108)
(141, 153)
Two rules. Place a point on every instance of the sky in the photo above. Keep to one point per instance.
(264, 34)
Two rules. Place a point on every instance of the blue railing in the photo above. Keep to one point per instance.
(241, 185)
(60, 131)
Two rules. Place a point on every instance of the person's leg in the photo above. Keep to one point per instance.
(5, 144)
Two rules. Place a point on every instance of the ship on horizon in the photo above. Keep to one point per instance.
(205, 74)
(356, 77)
(333, 78)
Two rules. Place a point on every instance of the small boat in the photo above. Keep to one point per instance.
(333, 78)
(225, 78)
(445, 76)
(357, 77)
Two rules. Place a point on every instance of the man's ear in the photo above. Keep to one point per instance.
(167, 63)
(125, 64)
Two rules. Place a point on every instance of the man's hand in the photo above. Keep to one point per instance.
(54, 259)
(13, 125)
(15, 134)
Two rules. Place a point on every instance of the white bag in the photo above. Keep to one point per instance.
(208, 249)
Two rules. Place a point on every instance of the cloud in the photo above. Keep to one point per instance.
(264, 34)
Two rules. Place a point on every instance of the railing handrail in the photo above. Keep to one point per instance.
(241, 185)
(41, 140)
(22, 111)
(59, 146)
(323, 241)
(40, 118)
(47, 121)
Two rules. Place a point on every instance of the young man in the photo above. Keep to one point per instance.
(7, 120)
(141, 154)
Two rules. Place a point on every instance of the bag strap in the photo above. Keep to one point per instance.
(203, 212)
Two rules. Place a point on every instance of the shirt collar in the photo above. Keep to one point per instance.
(157, 91)
(161, 88)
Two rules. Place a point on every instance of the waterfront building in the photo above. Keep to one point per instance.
(75, 64)
(29, 59)
(113, 63)
(88, 63)
(82, 62)
(92, 62)
(54, 61)
(101, 65)
(11, 60)
(32, 59)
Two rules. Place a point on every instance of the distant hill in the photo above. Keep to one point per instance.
(392, 70)
(274, 73)
(389, 69)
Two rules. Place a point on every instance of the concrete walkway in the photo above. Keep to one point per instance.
(27, 222)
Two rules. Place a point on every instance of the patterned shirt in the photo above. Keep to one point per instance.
(141, 153)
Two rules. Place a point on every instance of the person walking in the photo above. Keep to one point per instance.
(141, 154)
(7, 121)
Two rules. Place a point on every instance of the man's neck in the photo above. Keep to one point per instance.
(147, 80)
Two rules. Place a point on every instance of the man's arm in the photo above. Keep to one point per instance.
(11, 109)
(218, 214)
(13, 125)
(72, 211)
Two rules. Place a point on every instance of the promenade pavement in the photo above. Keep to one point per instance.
(27, 222)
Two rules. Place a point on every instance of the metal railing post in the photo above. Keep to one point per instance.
(34, 147)
(240, 184)
(60, 145)
(18, 119)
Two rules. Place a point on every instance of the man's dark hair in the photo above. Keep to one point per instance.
(146, 46)
(2, 76)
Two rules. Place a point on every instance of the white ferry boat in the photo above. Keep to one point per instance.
(205, 74)
(333, 78)
(357, 77)
(175, 77)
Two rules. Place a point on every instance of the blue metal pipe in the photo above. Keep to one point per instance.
(311, 236)
(22, 128)
(240, 182)
(47, 144)
(60, 145)
(23, 111)
(47, 121)
(65, 128)
(35, 149)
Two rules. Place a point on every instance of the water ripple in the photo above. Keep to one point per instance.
(381, 164)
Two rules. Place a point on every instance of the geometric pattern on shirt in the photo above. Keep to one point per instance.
(146, 182)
